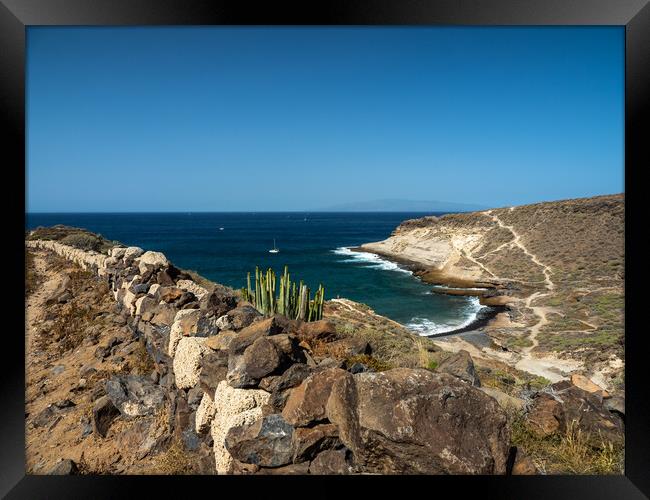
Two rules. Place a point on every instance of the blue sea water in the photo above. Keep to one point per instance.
(315, 246)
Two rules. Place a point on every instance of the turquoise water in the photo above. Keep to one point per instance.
(315, 247)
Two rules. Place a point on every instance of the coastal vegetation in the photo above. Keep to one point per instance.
(293, 300)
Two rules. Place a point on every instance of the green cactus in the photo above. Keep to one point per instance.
(292, 301)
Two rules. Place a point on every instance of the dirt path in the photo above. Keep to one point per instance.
(35, 307)
(517, 241)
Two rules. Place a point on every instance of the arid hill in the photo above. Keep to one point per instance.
(557, 266)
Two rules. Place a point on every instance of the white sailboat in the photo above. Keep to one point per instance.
(274, 249)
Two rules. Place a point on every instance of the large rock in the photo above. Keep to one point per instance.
(131, 253)
(134, 395)
(233, 407)
(183, 326)
(586, 384)
(260, 359)
(218, 303)
(64, 468)
(413, 421)
(292, 376)
(313, 331)
(566, 405)
(212, 370)
(240, 317)
(104, 412)
(267, 442)
(461, 365)
(169, 294)
(506, 401)
(306, 403)
(190, 286)
(264, 328)
(187, 361)
(332, 462)
(145, 307)
(150, 261)
(204, 414)
(221, 341)
(347, 347)
(309, 441)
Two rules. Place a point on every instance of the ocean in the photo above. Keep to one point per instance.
(315, 247)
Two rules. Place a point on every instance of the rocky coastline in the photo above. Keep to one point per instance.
(178, 371)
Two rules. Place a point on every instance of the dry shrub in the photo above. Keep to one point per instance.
(571, 452)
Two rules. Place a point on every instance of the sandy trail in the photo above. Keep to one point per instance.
(35, 307)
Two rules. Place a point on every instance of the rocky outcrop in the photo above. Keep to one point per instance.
(414, 421)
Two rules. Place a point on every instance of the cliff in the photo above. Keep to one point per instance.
(558, 267)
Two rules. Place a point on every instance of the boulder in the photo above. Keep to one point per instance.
(169, 293)
(259, 359)
(306, 403)
(163, 314)
(331, 462)
(184, 325)
(565, 403)
(292, 376)
(321, 331)
(187, 299)
(240, 317)
(414, 421)
(64, 468)
(131, 253)
(187, 361)
(191, 286)
(104, 412)
(264, 328)
(220, 341)
(347, 347)
(505, 400)
(164, 279)
(309, 441)
(218, 303)
(586, 384)
(212, 370)
(149, 261)
(134, 395)
(461, 365)
(523, 465)
(204, 414)
(233, 407)
(145, 307)
(266, 441)
(117, 252)
(207, 325)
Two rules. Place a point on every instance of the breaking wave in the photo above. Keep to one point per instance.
(369, 260)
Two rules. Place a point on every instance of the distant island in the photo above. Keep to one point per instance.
(398, 205)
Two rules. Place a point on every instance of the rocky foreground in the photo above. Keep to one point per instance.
(137, 367)
(555, 269)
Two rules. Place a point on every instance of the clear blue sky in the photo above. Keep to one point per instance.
(212, 118)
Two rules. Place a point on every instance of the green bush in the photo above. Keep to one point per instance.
(83, 241)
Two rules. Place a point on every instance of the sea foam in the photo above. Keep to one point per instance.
(426, 327)
(369, 260)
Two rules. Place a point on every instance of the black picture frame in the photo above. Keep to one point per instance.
(16, 15)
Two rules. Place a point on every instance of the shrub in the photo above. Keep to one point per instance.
(83, 241)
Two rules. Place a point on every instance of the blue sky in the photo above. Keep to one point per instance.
(214, 118)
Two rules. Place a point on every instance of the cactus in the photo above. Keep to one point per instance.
(292, 301)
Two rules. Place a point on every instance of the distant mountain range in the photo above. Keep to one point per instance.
(397, 205)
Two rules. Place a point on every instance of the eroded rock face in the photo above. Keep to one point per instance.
(417, 422)
(233, 407)
(306, 403)
(266, 442)
(461, 365)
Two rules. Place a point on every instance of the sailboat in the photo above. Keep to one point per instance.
(274, 249)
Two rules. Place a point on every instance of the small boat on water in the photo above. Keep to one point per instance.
(274, 249)
(220, 229)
